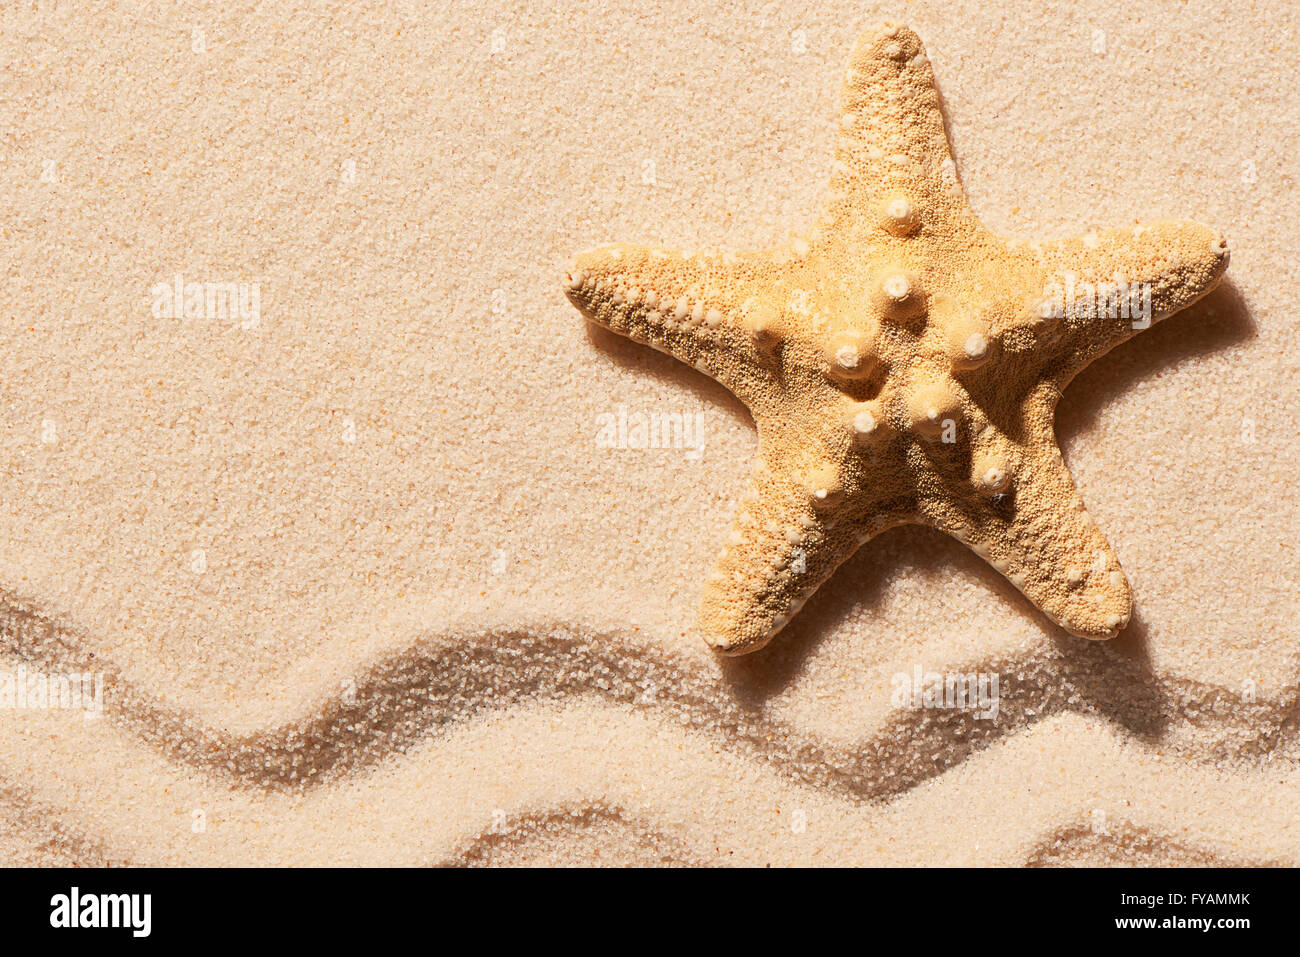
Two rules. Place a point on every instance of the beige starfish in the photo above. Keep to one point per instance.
(903, 364)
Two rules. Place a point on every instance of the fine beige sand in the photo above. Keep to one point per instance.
(364, 582)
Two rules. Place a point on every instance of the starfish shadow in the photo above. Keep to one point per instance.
(1116, 680)
(859, 582)
(1216, 322)
(1113, 679)
(657, 365)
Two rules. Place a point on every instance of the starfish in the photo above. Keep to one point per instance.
(902, 363)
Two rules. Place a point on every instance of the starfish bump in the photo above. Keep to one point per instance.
(902, 364)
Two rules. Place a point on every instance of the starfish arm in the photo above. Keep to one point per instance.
(893, 158)
(783, 545)
(1103, 288)
(697, 309)
(1040, 537)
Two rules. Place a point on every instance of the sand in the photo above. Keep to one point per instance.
(361, 582)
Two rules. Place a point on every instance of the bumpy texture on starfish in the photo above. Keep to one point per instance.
(902, 363)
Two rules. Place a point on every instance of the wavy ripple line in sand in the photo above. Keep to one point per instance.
(646, 842)
(1129, 846)
(443, 680)
(625, 838)
(1074, 845)
(43, 827)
